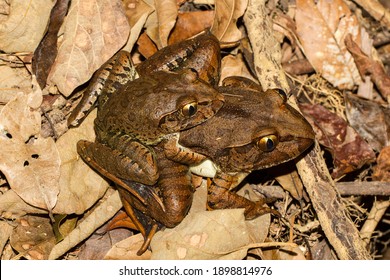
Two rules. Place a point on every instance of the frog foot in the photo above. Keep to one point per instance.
(258, 209)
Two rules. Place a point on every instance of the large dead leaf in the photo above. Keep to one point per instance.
(80, 186)
(29, 162)
(323, 39)
(24, 24)
(218, 234)
(349, 151)
(93, 32)
(227, 13)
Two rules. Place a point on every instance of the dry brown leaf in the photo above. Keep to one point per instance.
(382, 169)
(189, 24)
(160, 23)
(80, 186)
(137, 12)
(370, 119)
(349, 151)
(127, 249)
(323, 39)
(101, 242)
(218, 234)
(29, 162)
(100, 215)
(23, 27)
(227, 13)
(93, 32)
(33, 237)
(46, 52)
(284, 254)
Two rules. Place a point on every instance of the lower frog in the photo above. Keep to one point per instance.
(254, 130)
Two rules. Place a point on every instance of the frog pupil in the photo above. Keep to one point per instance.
(191, 110)
(269, 144)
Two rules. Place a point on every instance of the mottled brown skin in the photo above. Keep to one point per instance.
(201, 53)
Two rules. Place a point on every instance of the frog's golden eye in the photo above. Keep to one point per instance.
(268, 143)
(282, 94)
(190, 109)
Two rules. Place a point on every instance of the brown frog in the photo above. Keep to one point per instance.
(253, 130)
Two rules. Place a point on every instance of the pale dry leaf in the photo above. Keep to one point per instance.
(13, 80)
(93, 32)
(137, 12)
(266, 49)
(23, 28)
(6, 230)
(12, 206)
(33, 237)
(127, 249)
(323, 39)
(160, 23)
(167, 11)
(218, 234)
(234, 65)
(80, 186)
(226, 15)
(100, 215)
(33, 169)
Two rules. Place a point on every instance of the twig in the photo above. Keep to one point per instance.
(364, 188)
(377, 211)
(376, 10)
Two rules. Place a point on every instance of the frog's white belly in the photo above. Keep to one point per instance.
(205, 169)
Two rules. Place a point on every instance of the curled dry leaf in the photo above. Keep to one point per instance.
(227, 13)
(350, 152)
(12, 206)
(137, 12)
(80, 186)
(160, 23)
(370, 119)
(23, 27)
(6, 230)
(321, 29)
(46, 51)
(93, 32)
(29, 162)
(218, 234)
(371, 67)
(33, 237)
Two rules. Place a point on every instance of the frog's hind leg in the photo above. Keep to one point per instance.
(219, 196)
(100, 157)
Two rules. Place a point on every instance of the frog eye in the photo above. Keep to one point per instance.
(268, 143)
(188, 110)
(282, 94)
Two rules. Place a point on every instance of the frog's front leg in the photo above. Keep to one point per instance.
(174, 151)
(137, 164)
(219, 196)
(117, 71)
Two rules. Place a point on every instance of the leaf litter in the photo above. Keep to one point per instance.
(334, 66)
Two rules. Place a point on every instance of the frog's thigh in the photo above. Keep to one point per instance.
(136, 167)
